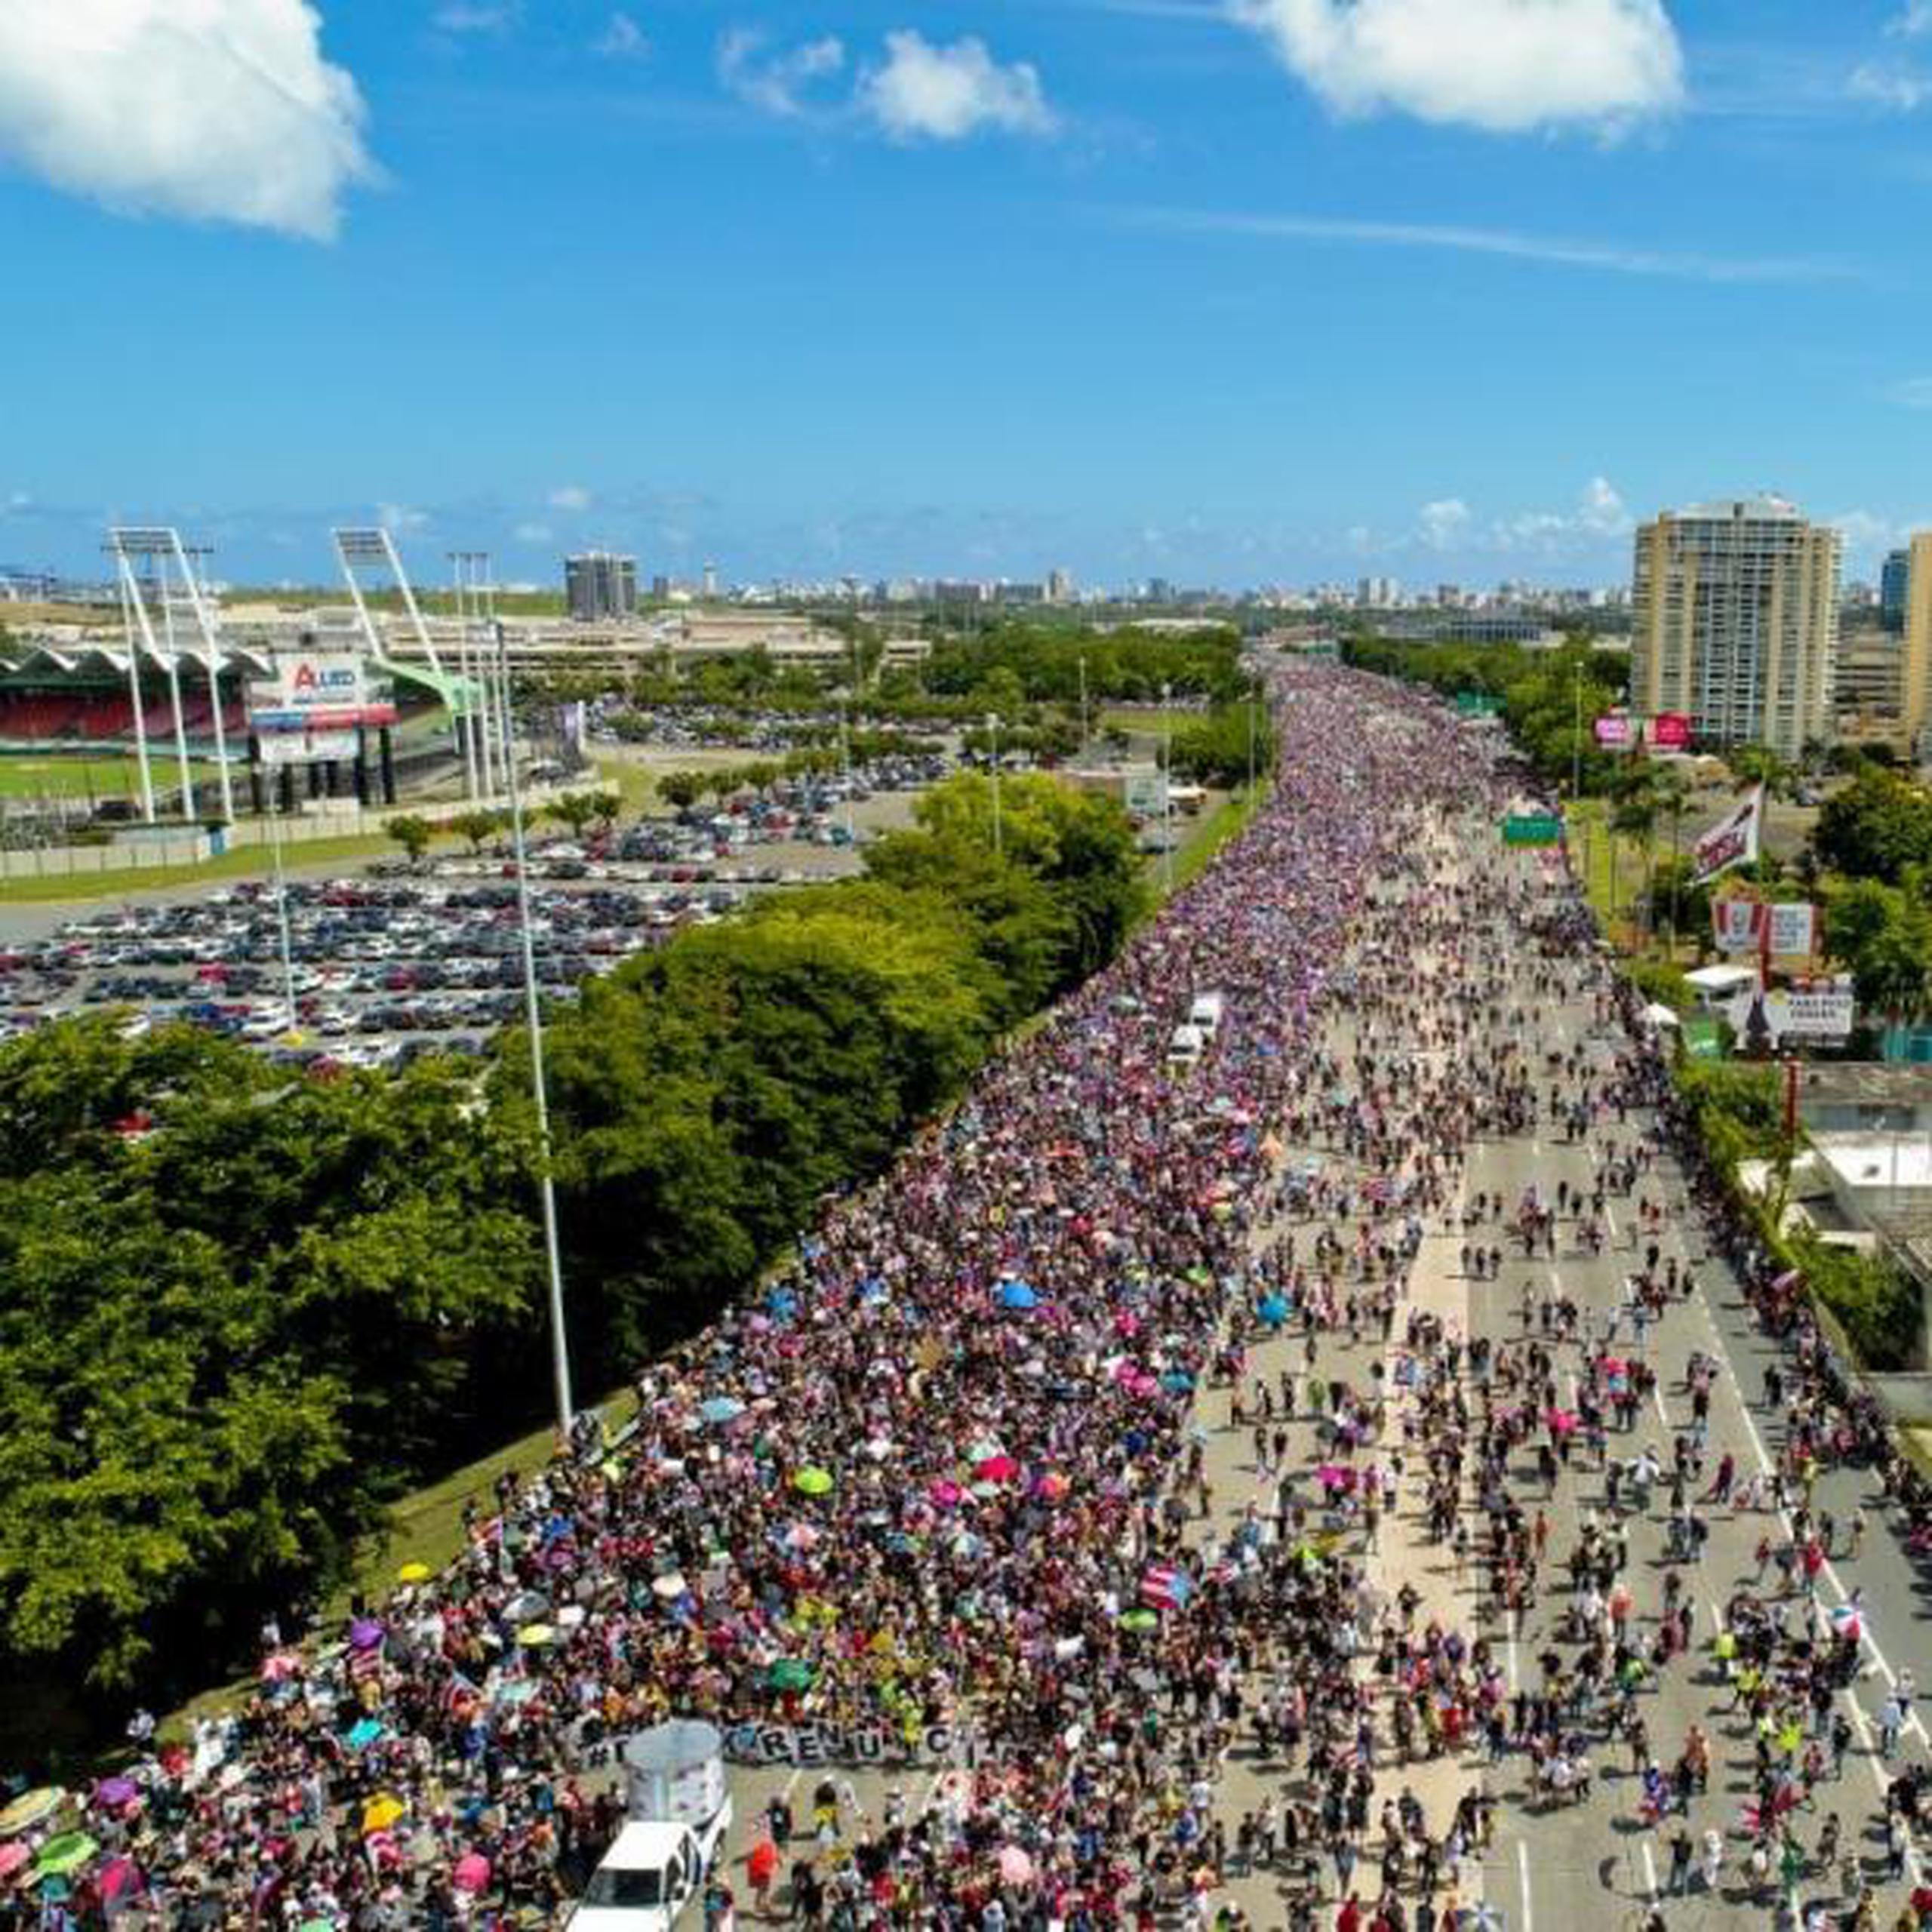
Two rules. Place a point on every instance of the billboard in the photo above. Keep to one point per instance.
(1738, 925)
(1819, 1010)
(320, 690)
(1670, 731)
(1613, 734)
(281, 748)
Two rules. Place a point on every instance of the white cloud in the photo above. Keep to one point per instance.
(1603, 511)
(398, 518)
(1444, 523)
(1559, 251)
(925, 92)
(1503, 65)
(1898, 88)
(532, 532)
(1916, 20)
(569, 496)
(218, 110)
(477, 16)
(622, 39)
(776, 83)
(1915, 393)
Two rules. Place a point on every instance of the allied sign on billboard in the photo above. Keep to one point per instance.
(319, 691)
(1670, 731)
(281, 748)
(1613, 734)
(1822, 1010)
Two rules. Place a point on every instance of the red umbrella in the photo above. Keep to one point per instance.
(996, 1469)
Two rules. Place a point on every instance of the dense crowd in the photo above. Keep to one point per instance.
(949, 1471)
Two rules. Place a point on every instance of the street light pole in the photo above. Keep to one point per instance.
(999, 841)
(1253, 692)
(281, 901)
(1167, 795)
(560, 1358)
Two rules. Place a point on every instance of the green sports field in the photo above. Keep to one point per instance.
(102, 774)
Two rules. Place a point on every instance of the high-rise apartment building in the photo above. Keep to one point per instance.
(1736, 622)
(599, 585)
(1894, 589)
(1915, 702)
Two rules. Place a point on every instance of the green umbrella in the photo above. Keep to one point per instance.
(813, 1482)
(68, 1853)
(790, 1674)
(1138, 1619)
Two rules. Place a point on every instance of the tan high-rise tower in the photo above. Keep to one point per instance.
(1736, 623)
(1916, 697)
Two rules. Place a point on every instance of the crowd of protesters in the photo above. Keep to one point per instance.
(949, 1475)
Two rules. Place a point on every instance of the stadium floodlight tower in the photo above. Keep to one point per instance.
(375, 551)
(169, 576)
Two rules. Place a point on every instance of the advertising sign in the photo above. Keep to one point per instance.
(1613, 734)
(1822, 1010)
(1538, 828)
(281, 748)
(319, 691)
(1478, 704)
(1733, 841)
(1738, 925)
(1670, 731)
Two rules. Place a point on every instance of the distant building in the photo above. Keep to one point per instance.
(1060, 587)
(1894, 587)
(1917, 675)
(710, 582)
(1487, 626)
(600, 584)
(1868, 689)
(1736, 623)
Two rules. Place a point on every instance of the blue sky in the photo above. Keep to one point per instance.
(1261, 292)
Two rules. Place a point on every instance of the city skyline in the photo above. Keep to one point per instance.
(1232, 294)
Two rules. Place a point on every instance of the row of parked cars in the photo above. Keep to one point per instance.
(378, 968)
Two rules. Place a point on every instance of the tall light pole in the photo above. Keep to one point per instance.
(1167, 794)
(845, 765)
(560, 1356)
(281, 899)
(1254, 692)
(999, 841)
(1083, 702)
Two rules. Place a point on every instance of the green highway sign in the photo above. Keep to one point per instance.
(1478, 704)
(1542, 828)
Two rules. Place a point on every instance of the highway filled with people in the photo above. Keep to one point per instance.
(1354, 1475)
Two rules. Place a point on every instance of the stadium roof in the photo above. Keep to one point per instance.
(88, 662)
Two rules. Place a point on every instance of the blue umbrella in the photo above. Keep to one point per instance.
(1018, 1296)
(721, 1408)
(1177, 1382)
(1274, 1310)
(363, 1733)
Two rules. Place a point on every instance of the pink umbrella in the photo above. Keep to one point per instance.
(118, 1879)
(997, 1468)
(945, 1493)
(1331, 1475)
(1015, 1867)
(14, 1853)
(472, 1873)
(1561, 1420)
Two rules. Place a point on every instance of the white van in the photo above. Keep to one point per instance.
(1207, 1011)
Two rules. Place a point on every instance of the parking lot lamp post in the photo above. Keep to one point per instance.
(1167, 795)
(282, 901)
(999, 841)
(845, 763)
(560, 1357)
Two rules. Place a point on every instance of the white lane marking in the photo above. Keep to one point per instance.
(1523, 1881)
(1650, 1871)
(1512, 1653)
(1657, 1392)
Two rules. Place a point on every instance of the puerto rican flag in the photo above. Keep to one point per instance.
(1163, 1588)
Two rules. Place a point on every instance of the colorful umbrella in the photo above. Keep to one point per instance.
(365, 1634)
(812, 1481)
(381, 1812)
(13, 1854)
(534, 1636)
(790, 1674)
(472, 1873)
(363, 1734)
(63, 1856)
(997, 1468)
(112, 1793)
(1018, 1297)
(31, 1808)
(722, 1409)
(670, 1586)
(1274, 1310)
(413, 1572)
(118, 1878)
(1015, 1867)
(1138, 1619)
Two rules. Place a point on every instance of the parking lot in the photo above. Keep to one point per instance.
(398, 961)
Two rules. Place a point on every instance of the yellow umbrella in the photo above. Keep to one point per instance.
(532, 1636)
(29, 1809)
(413, 1572)
(381, 1812)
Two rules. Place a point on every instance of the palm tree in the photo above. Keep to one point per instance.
(1633, 814)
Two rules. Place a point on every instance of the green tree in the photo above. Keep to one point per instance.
(414, 835)
(577, 810)
(1876, 826)
(476, 825)
(681, 789)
